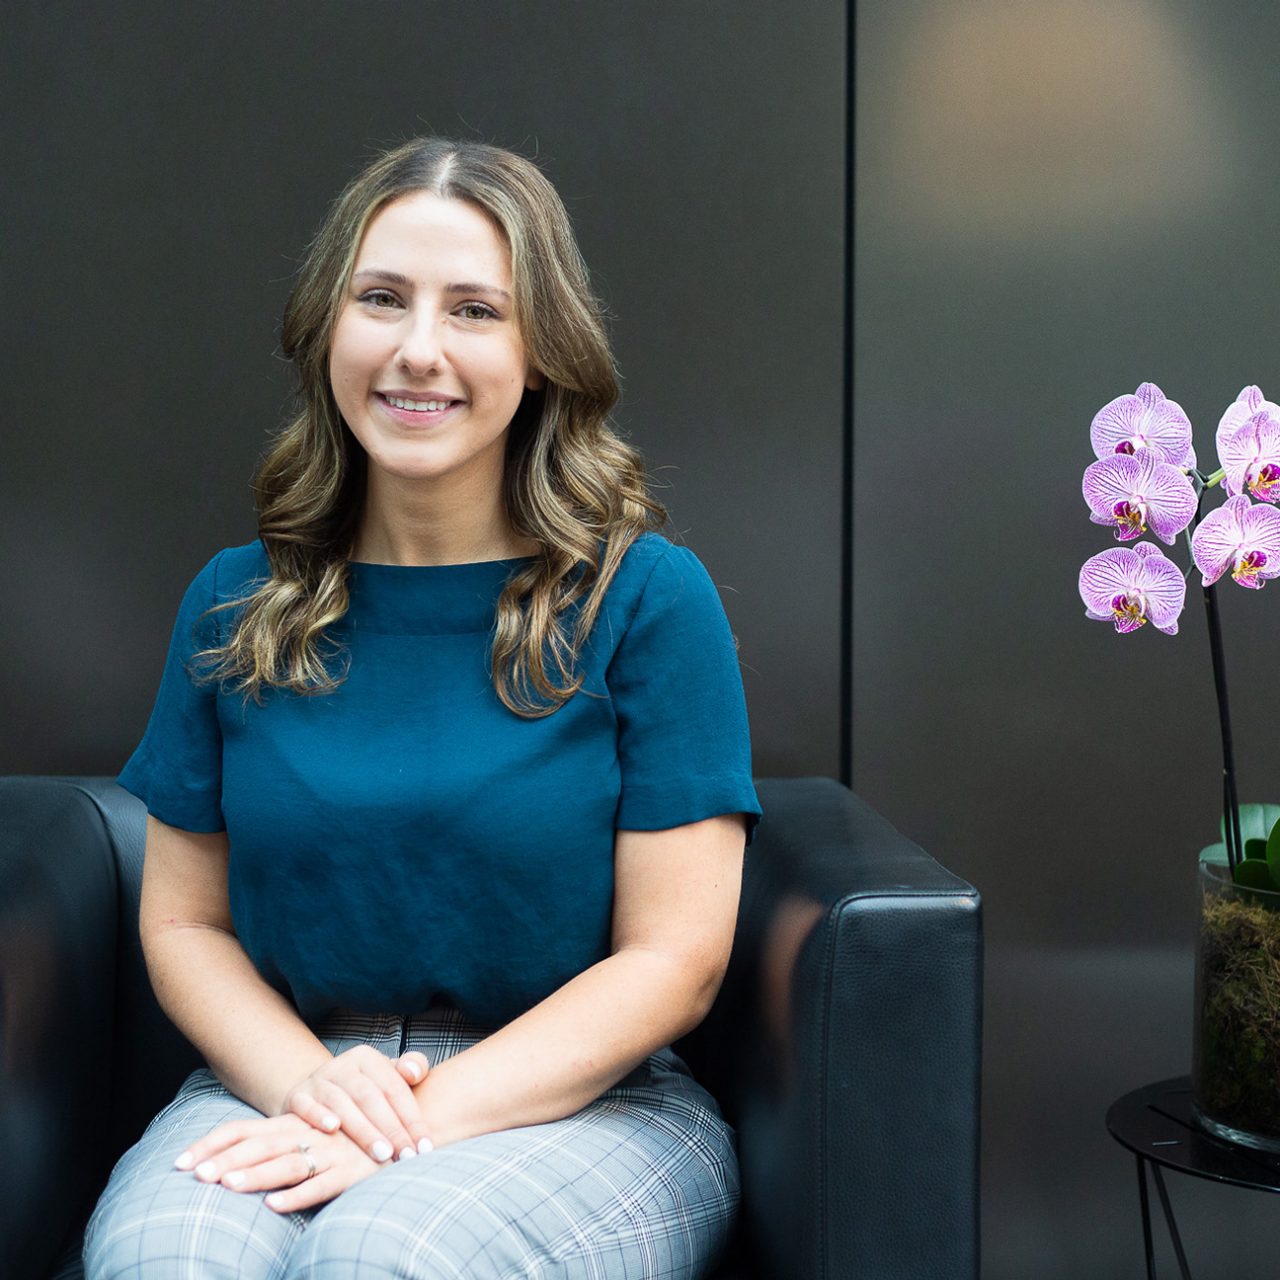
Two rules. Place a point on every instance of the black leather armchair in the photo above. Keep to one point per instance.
(844, 1046)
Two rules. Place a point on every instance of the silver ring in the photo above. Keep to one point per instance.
(305, 1148)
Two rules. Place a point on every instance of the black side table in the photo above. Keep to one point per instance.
(1156, 1124)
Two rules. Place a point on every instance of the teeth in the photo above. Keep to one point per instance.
(420, 406)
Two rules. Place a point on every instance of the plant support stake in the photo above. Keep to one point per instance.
(1230, 801)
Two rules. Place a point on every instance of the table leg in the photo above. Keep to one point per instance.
(1173, 1226)
(1146, 1219)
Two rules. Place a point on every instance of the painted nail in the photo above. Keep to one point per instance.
(330, 1122)
(274, 1200)
(425, 1145)
(207, 1170)
(184, 1161)
(382, 1150)
(235, 1179)
(407, 1153)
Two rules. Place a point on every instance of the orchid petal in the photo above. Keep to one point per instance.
(1246, 405)
(1260, 546)
(1109, 486)
(1238, 451)
(1164, 590)
(1131, 588)
(1217, 538)
(1114, 424)
(1134, 491)
(1106, 575)
(1263, 478)
(1145, 420)
(1171, 502)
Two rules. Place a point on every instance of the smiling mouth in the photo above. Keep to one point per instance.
(416, 417)
(410, 403)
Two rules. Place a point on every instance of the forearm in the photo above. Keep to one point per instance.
(567, 1050)
(248, 1033)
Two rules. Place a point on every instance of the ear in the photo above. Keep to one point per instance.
(536, 380)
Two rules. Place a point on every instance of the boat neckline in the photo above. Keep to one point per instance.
(463, 564)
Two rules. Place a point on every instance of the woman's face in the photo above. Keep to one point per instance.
(428, 316)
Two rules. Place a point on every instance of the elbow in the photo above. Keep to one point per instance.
(705, 994)
(696, 984)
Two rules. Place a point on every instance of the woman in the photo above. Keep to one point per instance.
(448, 787)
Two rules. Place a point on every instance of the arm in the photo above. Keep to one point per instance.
(249, 1034)
(675, 909)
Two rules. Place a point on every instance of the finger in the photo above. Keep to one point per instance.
(413, 1066)
(388, 1102)
(245, 1155)
(356, 1123)
(303, 1104)
(216, 1140)
(402, 1101)
(284, 1171)
(309, 1193)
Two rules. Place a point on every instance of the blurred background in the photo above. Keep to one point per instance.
(1055, 200)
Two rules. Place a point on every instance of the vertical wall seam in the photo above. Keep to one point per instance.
(846, 450)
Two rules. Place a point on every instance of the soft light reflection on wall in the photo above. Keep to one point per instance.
(1024, 116)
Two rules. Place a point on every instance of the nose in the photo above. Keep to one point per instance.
(422, 341)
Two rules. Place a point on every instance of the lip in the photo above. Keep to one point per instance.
(416, 417)
(401, 394)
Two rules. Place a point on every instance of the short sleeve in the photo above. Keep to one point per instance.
(177, 768)
(683, 741)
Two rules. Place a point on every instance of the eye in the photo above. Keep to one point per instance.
(487, 312)
(373, 294)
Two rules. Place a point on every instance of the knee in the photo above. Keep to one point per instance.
(213, 1234)
(449, 1246)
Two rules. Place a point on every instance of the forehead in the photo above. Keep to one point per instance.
(424, 235)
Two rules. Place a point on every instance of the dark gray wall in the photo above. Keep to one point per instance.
(1056, 201)
(164, 168)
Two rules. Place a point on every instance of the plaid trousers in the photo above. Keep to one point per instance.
(642, 1182)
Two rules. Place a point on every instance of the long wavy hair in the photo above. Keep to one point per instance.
(569, 482)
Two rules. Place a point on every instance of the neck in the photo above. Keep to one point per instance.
(401, 528)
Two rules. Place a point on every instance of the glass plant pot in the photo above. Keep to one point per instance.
(1235, 1070)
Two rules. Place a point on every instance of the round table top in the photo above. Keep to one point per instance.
(1156, 1122)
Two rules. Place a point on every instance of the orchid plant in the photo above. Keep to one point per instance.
(1145, 480)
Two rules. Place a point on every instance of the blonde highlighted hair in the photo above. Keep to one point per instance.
(570, 483)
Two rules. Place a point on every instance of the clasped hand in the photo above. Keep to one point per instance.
(353, 1114)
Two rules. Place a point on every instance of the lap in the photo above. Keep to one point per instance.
(643, 1182)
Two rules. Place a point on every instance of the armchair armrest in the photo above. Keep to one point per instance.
(845, 1047)
(58, 934)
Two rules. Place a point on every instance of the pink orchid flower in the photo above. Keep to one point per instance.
(1131, 586)
(1240, 410)
(1144, 421)
(1241, 537)
(1131, 492)
(1250, 456)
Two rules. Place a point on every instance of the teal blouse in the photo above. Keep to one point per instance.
(408, 837)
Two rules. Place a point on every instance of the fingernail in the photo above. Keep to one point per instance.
(184, 1161)
(330, 1122)
(235, 1179)
(208, 1170)
(381, 1150)
(425, 1145)
(274, 1200)
(414, 1070)
(407, 1153)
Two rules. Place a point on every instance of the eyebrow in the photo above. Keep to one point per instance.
(467, 287)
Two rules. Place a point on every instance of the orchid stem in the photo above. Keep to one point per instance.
(1231, 807)
(1230, 800)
